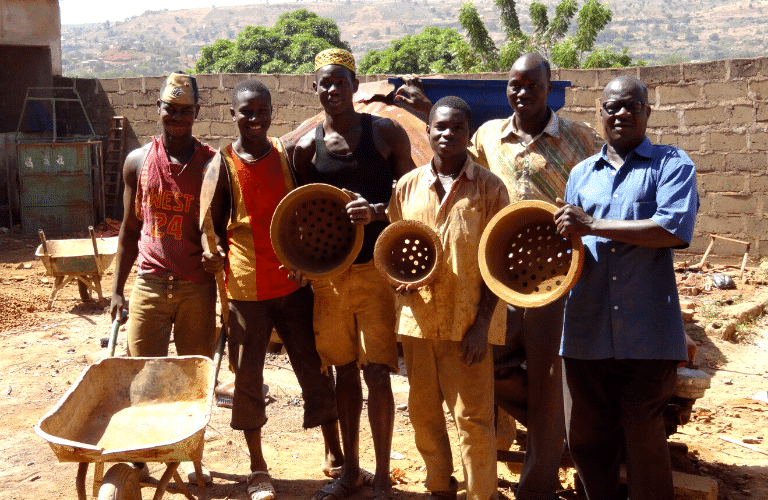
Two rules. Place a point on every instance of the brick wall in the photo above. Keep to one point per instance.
(716, 111)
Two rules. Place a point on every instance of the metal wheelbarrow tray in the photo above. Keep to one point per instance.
(83, 259)
(133, 410)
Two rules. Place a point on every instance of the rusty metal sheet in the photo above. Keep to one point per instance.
(377, 98)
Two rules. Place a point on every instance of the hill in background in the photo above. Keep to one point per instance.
(656, 31)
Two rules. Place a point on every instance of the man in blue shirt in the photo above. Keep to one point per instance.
(623, 334)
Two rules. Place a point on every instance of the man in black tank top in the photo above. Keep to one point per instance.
(354, 316)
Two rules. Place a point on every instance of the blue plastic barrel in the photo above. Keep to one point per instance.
(487, 98)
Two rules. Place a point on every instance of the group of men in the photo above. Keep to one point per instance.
(597, 368)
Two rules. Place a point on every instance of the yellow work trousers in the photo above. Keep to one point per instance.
(437, 373)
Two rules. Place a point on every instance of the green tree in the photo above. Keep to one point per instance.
(508, 17)
(478, 36)
(433, 50)
(287, 47)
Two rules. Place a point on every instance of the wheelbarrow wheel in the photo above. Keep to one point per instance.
(121, 482)
(85, 292)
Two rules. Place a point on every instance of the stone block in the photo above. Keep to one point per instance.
(725, 141)
(703, 116)
(664, 118)
(762, 112)
(758, 141)
(655, 75)
(222, 129)
(294, 82)
(134, 115)
(145, 98)
(122, 100)
(724, 203)
(582, 116)
(758, 89)
(756, 226)
(584, 98)
(744, 68)
(214, 113)
(607, 74)
(280, 130)
(725, 91)
(220, 97)
(204, 96)
(709, 71)
(750, 162)
(110, 84)
(722, 183)
(212, 81)
(201, 128)
(131, 84)
(742, 115)
(708, 162)
(231, 79)
(304, 99)
(281, 98)
(153, 84)
(676, 94)
(686, 142)
(580, 77)
(757, 183)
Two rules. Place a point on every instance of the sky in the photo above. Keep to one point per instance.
(98, 11)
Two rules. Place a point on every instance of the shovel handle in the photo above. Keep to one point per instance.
(113, 333)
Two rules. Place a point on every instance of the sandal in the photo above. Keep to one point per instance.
(335, 490)
(260, 491)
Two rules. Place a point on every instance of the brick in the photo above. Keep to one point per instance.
(582, 97)
(664, 118)
(110, 84)
(222, 129)
(690, 487)
(134, 115)
(304, 99)
(294, 82)
(755, 226)
(654, 75)
(208, 81)
(757, 183)
(762, 113)
(201, 128)
(214, 113)
(686, 142)
(725, 141)
(722, 183)
(708, 162)
(675, 94)
(131, 84)
(751, 162)
(742, 115)
(725, 91)
(145, 98)
(122, 100)
(146, 129)
(759, 89)
(703, 116)
(281, 130)
(744, 68)
(705, 203)
(281, 98)
(581, 116)
(219, 97)
(758, 141)
(709, 71)
(579, 77)
(153, 84)
(604, 76)
(718, 223)
(231, 79)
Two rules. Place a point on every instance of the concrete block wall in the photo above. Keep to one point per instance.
(716, 111)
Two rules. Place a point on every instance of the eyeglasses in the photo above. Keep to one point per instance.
(632, 105)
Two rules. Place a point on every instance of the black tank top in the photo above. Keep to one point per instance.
(363, 171)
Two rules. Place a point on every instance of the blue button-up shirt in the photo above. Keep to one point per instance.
(625, 303)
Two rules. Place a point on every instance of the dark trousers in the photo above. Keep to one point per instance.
(250, 328)
(534, 334)
(612, 404)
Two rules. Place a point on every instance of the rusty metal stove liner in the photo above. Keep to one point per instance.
(311, 231)
(408, 252)
(524, 260)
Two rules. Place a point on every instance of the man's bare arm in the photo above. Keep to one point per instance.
(130, 230)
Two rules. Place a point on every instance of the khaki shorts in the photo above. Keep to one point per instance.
(354, 318)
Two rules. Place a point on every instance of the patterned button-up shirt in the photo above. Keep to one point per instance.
(538, 170)
(448, 306)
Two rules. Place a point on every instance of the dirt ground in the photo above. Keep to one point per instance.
(44, 351)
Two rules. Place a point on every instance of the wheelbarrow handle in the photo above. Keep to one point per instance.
(113, 333)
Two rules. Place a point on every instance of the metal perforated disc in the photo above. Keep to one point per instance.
(311, 232)
(524, 260)
(408, 252)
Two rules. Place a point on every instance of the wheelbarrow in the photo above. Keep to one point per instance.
(85, 260)
(134, 410)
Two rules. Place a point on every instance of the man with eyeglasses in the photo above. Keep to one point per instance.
(632, 204)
